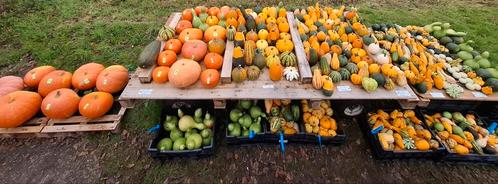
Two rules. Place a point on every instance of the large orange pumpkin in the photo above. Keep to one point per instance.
(214, 32)
(174, 45)
(217, 46)
(18, 107)
(187, 15)
(166, 58)
(95, 104)
(194, 49)
(160, 74)
(85, 76)
(35, 75)
(190, 34)
(210, 78)
(60, 104)
(10, 84)
(182, 25)
(54, 80)
(112, 79)
(184, 73)
(213, 61)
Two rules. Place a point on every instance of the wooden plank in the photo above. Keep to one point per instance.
(303, 65)
(468, 95)
(34, 125)
(80, 128)
(127, 103)
(263, 88)
(226, 70)
(145, 74)
(220, 104)
(81, 119)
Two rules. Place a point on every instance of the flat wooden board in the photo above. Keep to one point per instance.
(468, 95)
(34, 125)
(304, 67)
(226, 70)
(263, 88)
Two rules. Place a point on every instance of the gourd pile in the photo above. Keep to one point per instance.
(262, 40)
(245, 118)
(462, 134)
(339, 47)
(53, 92)
(283, 116)
(319, 120)
(187, 131)
(401, 130)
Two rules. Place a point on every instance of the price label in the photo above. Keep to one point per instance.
(403, 93)
(344, 88)
(268, 86)
(437, 95)
(144, 92)
(479, 95)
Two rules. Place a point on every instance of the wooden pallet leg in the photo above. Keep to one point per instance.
(423, 102)
(129, 104)
(406, 104)
(315, 104)
(220, 104)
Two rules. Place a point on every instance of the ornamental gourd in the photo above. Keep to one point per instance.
(284, 45)
(288, 59)
(194, 49)
(324, 65)
(239, 39)
(248, 53)
(60, 104)
(335, 76)
(9, 84)
(259, 59)
(345, 74)
(328, 86)
(373, 68)
(231, 33)
(271, 60)
(217, 46)
(35, 75)
(356, 79)
(317, 79)
(210, 78)
(18, 107)
(184, 73)
(238, 57)
(369, 84)
(253, 73)
(261, 44)
(251, 35)
(112, 79)
(85, 77)
(276, 71)
(335, 64)
(239, 74)
(363, 69)
(351, 67)
(95, 104)
(54, 80)
(271, 50)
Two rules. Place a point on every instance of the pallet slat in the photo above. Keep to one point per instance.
(304, 67)
(226, 70)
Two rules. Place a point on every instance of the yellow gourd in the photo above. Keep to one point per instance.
(422, 145)
(335, 62)
(461, 150)
(356, 79)
(363, 69)
(317, 79)
(374, 68)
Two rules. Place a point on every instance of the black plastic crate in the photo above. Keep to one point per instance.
(453, 105)
(380, 153)
(258, 138)
(188, 107)
(472, 157)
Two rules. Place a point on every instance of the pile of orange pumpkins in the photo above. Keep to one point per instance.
(53, 92)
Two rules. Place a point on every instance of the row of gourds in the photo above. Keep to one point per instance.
(53, 92)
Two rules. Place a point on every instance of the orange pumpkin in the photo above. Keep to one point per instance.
(194, 49)
(223, 12)
(174, 45)
(210, 78)
(166, 58)
(190, 34)
(18, 107)
(232, 22)
(54, 80)
(214, 11)
(33, 77)
(215, 32)
(184, 73)
(160, 74)
(85, 76)
(252, 35)
(276, 71)
(95, 104)
(213, 61)
(182, 25)
(200, 9)
(60, 104)
(216, 46)
(112, 79)
(212, 20)
(9, 84)
(187, 15)
(232, 13)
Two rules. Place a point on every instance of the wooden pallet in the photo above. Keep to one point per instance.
(145, 74)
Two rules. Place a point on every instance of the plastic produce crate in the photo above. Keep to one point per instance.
(257, 138)
(188, 107)
(380, 153)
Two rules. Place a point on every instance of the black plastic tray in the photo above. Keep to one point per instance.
(472, 157)
(380, 153)
(188, 107)
(258, 138)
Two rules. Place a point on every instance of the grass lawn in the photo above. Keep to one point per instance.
(66, 34)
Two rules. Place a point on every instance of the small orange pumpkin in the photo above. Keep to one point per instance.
(182, 25)
(213, 61)
(112, 79)
(60, 104)
(215, 32)
(173, 44)
(276, 71)
(216, 46)
(95, 104)
(194, 49)
(85, 77)
(54, 80)
(166, 58)
(190, 34)
(34, 76)
(210, 78)
(160, 74)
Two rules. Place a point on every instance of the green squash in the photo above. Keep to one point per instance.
(343, 60)
(381, 80)
(148, 57)
(313, 57)
(335, 76)
(421, 87)
(352, 68)
(324, 66)
(345, 74)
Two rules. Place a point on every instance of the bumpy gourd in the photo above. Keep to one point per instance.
(369, 84)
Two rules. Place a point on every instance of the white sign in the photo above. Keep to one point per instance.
(268, 86)
(343, 88)
(403, 93)
(144, 92)
(437, 94)
(479, 95)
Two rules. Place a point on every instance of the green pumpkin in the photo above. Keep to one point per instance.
(242, 28)
(421, 87)
(368, 40)
(343, 60)
(335, 76)
(259, 59)
(351, 67)
(381, 80)
(345, 74)
(304, 37)
(261, 26)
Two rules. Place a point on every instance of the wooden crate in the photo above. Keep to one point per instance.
(145, 74)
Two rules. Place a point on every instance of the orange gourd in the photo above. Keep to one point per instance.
(85, 77)
(214, 11)
(18, 107)
(210, 78)
(276, 71)
(182, 25)
(216, 46)
(184, 73)
(190, 34)
(160, 74)
(374, 68)
(112, 79)
(356, 79)
(187, 15)
(9, 84)
(34, 76)
(60, 104)
(215, 32)
(54, 80)
(174, 45)
(194, 49)
(487, 90)
(95, 104)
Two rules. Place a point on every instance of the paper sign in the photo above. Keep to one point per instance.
(343, 88)
(437, 95)
(479, 95)
(144, 92)
(268, 86)
(403, 93)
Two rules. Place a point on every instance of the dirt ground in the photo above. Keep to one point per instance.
(113, 158)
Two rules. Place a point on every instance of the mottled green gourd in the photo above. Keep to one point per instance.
(324, 66)
(335, 76)
(149, 55)
(352, 68)
(250, 22)
(313, 57)
(369, 84)
(345, 74)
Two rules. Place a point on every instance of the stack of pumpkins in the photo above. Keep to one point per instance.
(261, 38)
(55, 95)
(336, 45)
(201, 35)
